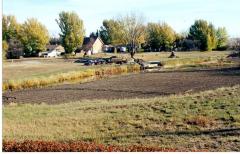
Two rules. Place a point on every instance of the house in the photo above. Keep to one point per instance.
(111, 48)
(15, 49)
(92, 45)
(108, 48)
(55, 47)
(52, 51)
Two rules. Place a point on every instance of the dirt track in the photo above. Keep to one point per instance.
(142, 85)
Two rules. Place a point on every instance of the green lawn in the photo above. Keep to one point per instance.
(173, 121)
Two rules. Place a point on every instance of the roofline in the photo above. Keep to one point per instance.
(100, 40)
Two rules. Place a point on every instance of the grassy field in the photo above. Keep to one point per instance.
(39, 72)
(37, 68)
(42, 68)
(191, 121)
(208, 120)
(163, 56)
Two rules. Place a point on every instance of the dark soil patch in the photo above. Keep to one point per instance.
(142, 85)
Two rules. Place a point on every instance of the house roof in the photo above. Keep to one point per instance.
(55, 47)
(52, 47)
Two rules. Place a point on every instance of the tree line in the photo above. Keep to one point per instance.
(161, 36)
(129, 30)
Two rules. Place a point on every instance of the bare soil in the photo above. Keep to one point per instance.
(142, 85)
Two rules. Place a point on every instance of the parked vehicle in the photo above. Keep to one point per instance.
(50, 54)
(90, 62)
(81, 60)
(150, 65)
(100, 61)
(53, 53)
(107, 60)
(118, 60)
(42, 54)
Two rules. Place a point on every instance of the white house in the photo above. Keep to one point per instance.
(52, 51)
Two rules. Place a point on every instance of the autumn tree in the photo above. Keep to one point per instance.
(34, 37)
(153, 33)
(132, 30)
(108, 30)
(212, 37)
(112, 32)
(72, 31)
(10, 33)
(10, 27)
(204, 33)
(4, 49)
(124, 30)
(222, 38)
(160, 36)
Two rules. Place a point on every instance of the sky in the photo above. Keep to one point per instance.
(180, 14)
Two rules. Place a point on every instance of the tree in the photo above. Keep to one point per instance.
(34, 37)
(168, 36)
(132, 30)
(10, 27)
(154, 36)
(4, 49)
(234, 44)
(179, 39)
(222, 38)
(160, 36)
(105, 32)
(10, 33)
(205, 33)
(72, 31)
(124, 30)
(55, 40)
(112, 32)
(212, 40)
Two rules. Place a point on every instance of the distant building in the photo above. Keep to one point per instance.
(56, 47)
(111, 48)
(92, 45)
(15, 49)
(108, 48)
(52, 51)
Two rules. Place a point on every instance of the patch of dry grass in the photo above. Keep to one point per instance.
(168, 122)
(69, 77)
(37, 73)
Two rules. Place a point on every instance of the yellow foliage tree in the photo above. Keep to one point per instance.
(34, 37)
(72, 31)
